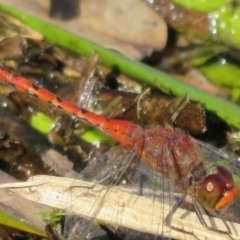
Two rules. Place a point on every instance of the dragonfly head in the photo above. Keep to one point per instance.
(217, 190)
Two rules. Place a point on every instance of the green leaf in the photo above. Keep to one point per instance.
(202, 5)
(227, 25)
(224, 109)
(42, 122)
(8, 220)
(219, 74)
(94, 135)
(54, 217)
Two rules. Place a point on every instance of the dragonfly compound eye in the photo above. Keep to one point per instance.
(217, 190)
(210, 191)
(226, 174)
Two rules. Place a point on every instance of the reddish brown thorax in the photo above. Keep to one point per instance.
(173, 153)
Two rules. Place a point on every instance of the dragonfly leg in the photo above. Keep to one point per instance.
(203, 222)
(167, 220)
(178, 203)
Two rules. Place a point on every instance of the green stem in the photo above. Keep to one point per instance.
(222, 108)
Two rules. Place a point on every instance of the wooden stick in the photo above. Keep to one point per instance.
(119, 209)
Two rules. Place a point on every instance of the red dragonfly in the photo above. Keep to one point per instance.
(172, 153)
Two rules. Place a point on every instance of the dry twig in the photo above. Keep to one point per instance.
(119, 209)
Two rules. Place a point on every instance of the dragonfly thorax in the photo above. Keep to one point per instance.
(171, 153)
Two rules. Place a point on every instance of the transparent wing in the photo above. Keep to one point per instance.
(126, 169)
(161, 193)
(157, 188)
(216, 156)
(107, 170)
(73, 229)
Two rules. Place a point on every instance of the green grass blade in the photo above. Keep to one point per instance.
(224, 109)
(8, 220)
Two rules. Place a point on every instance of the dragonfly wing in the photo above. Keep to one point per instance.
(108, 170)
(119, 164)
(73, 231)
(146, 183)
(107, 165)
(211, 154)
